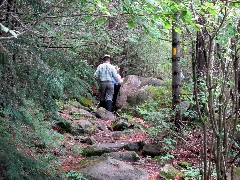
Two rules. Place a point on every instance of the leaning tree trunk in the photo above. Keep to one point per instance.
(176, 72)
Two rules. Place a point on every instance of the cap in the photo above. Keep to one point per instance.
(106, 56)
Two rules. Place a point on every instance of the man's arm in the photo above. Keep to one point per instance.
(117, 76)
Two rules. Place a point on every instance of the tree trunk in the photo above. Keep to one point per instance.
(176, 72)
(200, 56)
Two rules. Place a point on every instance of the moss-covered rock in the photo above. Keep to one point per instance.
(99, 149)
(94, 151)
(120, 124)
(169, 172)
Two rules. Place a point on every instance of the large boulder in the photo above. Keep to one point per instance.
(106, 168)
(134, 90)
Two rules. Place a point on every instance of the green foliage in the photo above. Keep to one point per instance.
(73, 175)
(159, 117)
(164, 158)
(168, 144)
(14, 162)
(151, 111)
(192, 172)
(162, 95)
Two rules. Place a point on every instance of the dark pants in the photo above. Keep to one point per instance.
(106, 90)
(116, 91)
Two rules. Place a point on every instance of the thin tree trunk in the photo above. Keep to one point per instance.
(176, 72)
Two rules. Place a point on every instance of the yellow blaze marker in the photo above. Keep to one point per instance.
(174, 51)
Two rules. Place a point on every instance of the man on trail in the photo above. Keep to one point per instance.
(105, 73)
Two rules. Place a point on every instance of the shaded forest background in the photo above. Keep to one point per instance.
(49, 50)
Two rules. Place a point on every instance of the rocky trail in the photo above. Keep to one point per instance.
(102, 145)
(112, 147)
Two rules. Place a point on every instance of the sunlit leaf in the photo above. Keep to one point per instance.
(131, 24)
(167, 25)
(178, 30)
(212, 11)
(156, 16)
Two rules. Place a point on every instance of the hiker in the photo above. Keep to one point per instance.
(116, 89)
(105, 73)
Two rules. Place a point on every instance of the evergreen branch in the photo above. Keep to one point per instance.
(58, 47)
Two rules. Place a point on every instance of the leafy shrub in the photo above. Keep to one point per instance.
(162, 96)
(192, 172)
(73, 175)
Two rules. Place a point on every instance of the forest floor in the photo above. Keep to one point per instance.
(185, 149)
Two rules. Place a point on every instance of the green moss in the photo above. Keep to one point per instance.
(166, 175)
(236, 171)
(85, 101)
(91, 151)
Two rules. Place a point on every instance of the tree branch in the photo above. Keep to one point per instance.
(12, 37)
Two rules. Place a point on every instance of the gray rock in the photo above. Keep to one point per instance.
(88, 140)
(82, 126)
(101, 126)
(104, 114)
(130, 156)
(150, 81)
(130, 85)
(152, 150)
(134, 146)
(81, 113)
(76, 127)
(139, 97)
(120, 125)
(106, 168)
(118, 134)
(99, 149)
